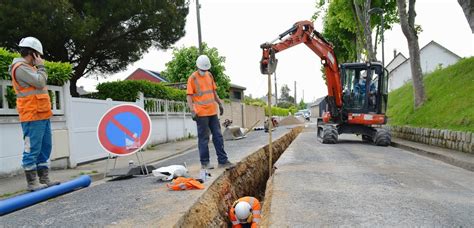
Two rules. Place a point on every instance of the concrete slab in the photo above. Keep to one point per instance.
(139, 201)
(356, 184)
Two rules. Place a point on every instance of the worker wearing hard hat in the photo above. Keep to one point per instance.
(203, 102)
(245, 212)
(34, 108)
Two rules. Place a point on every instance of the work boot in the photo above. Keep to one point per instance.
(226, 165)
(33, 184)
(207, 166)
(43, 175)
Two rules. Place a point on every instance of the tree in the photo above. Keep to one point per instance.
(409, 29)
(95, 36)
(183, 65)
(285, 94)
(348, 26)
(301, 105)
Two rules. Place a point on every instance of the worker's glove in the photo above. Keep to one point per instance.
(193, 115)
(221, 109)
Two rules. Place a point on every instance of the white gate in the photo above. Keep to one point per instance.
(83, 117)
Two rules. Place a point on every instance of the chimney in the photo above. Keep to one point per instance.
(394, 53)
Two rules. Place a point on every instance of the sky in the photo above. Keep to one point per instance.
(238, 27)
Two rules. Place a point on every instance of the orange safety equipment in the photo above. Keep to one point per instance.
(254, 217)
(202, 88)
(182, 183)
(32, 103)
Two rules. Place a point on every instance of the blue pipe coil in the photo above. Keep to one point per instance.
(28, 199)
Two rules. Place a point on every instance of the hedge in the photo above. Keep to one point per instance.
(128, 90)
(276, 111)
(58, 73)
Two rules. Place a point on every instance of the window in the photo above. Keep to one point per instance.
(237, 95)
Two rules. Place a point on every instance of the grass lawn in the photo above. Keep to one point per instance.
(449, 104)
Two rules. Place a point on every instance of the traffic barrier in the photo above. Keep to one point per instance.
(28, 199)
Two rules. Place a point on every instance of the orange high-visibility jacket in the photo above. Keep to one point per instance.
(256, 210)
(201, 88)
(182, 183)
(32, 103)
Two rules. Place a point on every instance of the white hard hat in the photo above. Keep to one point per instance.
(243, 210)
(203, 62)
(33, 43)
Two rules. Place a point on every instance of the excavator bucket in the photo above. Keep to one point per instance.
(233, 133)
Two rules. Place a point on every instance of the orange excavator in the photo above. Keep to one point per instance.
(357, 92)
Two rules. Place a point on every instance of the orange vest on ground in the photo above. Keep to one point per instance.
(202, 88)
(32, 103)
(254, 219)
(182, 183)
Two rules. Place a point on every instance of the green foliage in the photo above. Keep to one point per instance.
(254, 101)
(128, 91)
(302, 105)
(276, 111)
(11, 97)
(96, 36)
(449, 103)
(285, 97)
(183, 65)
(58, 73)
(341, 27)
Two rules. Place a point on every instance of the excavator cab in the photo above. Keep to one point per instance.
(364, 88)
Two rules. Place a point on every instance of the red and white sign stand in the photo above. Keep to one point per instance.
(122, 131)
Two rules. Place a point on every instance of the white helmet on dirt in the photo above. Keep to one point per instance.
(243, 211)
(203, 62)
(33, 43)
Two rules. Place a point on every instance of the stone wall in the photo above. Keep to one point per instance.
(243, 115)
(456, 140)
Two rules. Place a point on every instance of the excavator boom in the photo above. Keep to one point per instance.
(303, 32)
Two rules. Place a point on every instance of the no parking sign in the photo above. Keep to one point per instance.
(124, 129)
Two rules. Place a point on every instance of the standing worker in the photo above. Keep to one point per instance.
(202, 101)
(245, 212)
(34, 108)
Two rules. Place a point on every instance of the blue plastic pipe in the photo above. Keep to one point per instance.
(28, 199)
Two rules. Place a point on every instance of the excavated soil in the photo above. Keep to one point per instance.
(291, 120)
(248, 178)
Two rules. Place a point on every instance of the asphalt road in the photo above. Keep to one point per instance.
(136, 202)
(356, 184)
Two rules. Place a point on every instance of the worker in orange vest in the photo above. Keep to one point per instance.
(203, 102)
(29, 79)
(245, 212)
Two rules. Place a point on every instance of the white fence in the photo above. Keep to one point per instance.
(74, 126)
(7, 107)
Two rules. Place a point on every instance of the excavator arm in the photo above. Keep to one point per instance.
(303, 32)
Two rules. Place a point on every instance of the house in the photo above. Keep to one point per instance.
(318, 107)
(236, 92)
(432, 56)
(144, 74)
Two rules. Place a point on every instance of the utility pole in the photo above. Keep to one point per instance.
(276, 88)
(198, 6)
(295, 94)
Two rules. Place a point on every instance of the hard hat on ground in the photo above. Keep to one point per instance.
(242, 211)
(33, 43)
(203, 62)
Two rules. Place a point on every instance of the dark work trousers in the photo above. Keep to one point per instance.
(204, 124)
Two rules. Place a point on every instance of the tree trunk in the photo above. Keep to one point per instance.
(363, 19)
(78, 73)
(408, 27)
(468, 8)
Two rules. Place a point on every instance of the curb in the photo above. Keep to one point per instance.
(440, 157)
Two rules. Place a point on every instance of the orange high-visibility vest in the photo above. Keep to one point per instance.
(182, 183)
(32, 103)
(256, 211)
(201, 88)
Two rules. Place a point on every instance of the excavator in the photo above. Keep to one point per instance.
(357, 92)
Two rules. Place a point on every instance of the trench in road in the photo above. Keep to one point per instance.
(248, 178)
